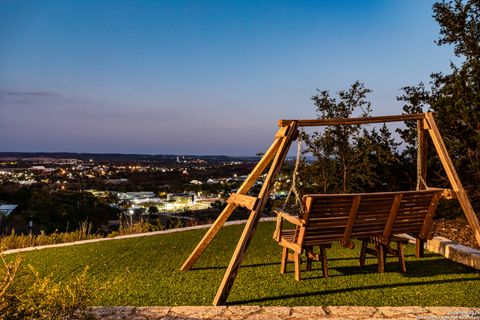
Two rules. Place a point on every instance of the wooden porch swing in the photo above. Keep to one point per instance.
(275, 156)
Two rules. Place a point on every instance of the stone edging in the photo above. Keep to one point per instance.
(283, 313)
(455, 251)
(128, 236)
(452, 250)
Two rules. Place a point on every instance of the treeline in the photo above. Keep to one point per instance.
(50, 210)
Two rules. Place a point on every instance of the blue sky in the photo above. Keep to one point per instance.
(197, 77)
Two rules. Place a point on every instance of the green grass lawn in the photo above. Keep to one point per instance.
(145, 271)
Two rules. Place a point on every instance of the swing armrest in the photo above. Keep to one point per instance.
(285, 215)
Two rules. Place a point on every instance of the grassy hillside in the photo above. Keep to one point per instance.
(145, 271)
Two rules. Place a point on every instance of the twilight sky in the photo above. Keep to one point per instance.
(197, 77)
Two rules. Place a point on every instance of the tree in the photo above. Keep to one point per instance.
(349, 157)
(455, 96)
(152, 210)
(459, 26)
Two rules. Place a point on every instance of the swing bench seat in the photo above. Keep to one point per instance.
(374, 218)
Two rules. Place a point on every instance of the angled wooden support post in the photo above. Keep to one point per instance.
(421, 172)
(228, 210)
(249, 230)
(421, 156)
(452, 175)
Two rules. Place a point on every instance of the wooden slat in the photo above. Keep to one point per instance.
(378, 229)
(333, 214)
(242, 200)
(324, 232)
(366, 234)
(391, 217)
(328, 229)
(366, 223)
(413, 227)
(373, 216)
(327, 217)
(409, 221)
(331, 206)
(452, 175)
(429, 216)
(321, 236)
(327, 224)
(406, 229)
(376, 195)
(351, 219)
(350, 121)
(420, 214)
(406, 209)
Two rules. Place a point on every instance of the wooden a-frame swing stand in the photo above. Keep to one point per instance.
(275, 156)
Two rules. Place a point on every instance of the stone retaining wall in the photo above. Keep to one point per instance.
(454, 251)
(284, 313)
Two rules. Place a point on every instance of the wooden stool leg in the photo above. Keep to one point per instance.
(381, 259)
(420, 248)
(323, 257)
(296, 258)
(363, 252)
(283, 265)
(309, 261)
(401, 256)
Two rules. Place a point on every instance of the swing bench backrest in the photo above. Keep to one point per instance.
(342, 217)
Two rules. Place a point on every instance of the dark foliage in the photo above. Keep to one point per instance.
(455, 97)
(351, 158)
(55, 210)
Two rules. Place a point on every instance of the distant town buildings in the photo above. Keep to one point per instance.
(111, 178)
(144, 200)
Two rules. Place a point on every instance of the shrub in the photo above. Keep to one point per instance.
(127, 226)
(14, 240)
(10, 271)
(47, 299)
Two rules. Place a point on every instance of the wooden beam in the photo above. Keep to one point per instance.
(282, 132)
(350, 121)
(242, 200)
(387, 232)
(346, 242)
(422, 126)
(452, 175)
(421, 156)
(249, 230)
(427, 222)
(228, 210)
(448, 194)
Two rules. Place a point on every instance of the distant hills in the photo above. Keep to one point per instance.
(122, 157)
